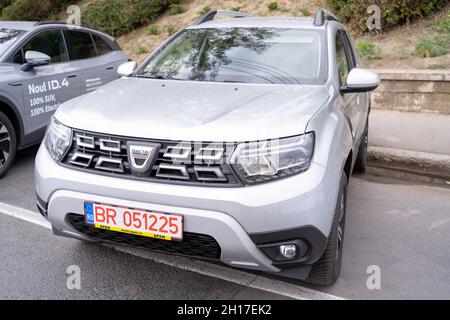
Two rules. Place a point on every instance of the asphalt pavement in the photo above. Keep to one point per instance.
(400, 229)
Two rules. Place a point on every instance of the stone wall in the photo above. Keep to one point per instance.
(413, 91)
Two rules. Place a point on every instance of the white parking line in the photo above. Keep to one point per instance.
(25, 215)
(212, 270)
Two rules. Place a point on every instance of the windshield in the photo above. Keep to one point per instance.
(8, 37)
(248, 55)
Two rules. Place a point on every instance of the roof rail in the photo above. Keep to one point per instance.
(322, 16)
(213, 13)
(50, 22)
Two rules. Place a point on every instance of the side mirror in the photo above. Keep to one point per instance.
(126, 69)
(361, 80)
(35, 59)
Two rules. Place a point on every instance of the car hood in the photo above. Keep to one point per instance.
(194, 111)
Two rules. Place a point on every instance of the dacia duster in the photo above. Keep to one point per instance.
(233, 142)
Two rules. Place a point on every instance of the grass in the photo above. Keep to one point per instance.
(205, 10)
(367, 50)
(152, 29)
(403, 54)
(273, 6)
(171, 29)
(432, 46)
(437, 42)
(442, 25)
(175, 8)
(304, 11)
(141, 50)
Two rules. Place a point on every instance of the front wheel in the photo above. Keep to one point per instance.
(326, 271)
(8, 144)
(361, 160)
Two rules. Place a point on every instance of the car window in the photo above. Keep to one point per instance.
(251, 55)
(17, 58)
(8, 37)
(101, 45)
(342, 61)
(80, 45)
(349, 50)
(49, 42)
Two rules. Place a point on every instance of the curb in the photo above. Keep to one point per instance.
(410, 165)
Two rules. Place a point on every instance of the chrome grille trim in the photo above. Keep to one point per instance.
(104, 145)
(210, 154)
(104, 160)
(183, 155)
(85, 141)
(78, 155)
(162, 169)
(220, 177)
(184, 175)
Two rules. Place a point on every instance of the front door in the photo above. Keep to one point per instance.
(46, 87)
(350, 102)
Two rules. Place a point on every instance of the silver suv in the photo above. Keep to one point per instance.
(41, 66)
(233, 142)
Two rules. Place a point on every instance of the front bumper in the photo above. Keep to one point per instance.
(241, 220)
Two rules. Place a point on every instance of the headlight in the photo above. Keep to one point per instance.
(267, 160)
(57, 139)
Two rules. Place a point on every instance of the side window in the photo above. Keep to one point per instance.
(101, 45)
(349, 50)
(49, 42)
(342, 60)
(80, 45)
(17, 58)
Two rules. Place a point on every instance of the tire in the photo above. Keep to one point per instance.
(361, 160)
(8, 144)
(326, 271)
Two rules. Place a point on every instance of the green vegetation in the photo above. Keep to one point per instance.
(4, 4)
(367, 50)
(117, 17)
(432, 46)
(175, 8)
(442, 25)
(31, 10)
(205, 10)
(171, 29)
(437, 42)
(393, 12)
(152, 29)
(403, 54)
(142, 50)
(304, 11)
(273, 6)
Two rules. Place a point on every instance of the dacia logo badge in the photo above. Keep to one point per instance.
(142, 156)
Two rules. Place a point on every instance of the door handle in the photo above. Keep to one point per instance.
(72, 76)
(15, 84)
(110, 68)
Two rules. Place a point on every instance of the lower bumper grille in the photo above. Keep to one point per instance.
(193, 245)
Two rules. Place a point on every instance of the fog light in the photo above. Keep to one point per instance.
(288, 251)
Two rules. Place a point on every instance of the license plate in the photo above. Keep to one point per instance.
(134, 221)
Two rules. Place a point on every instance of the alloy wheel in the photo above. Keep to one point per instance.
(5, 144)
(341, 226)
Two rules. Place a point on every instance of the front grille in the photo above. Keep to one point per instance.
(176, 162)
(193, 245)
